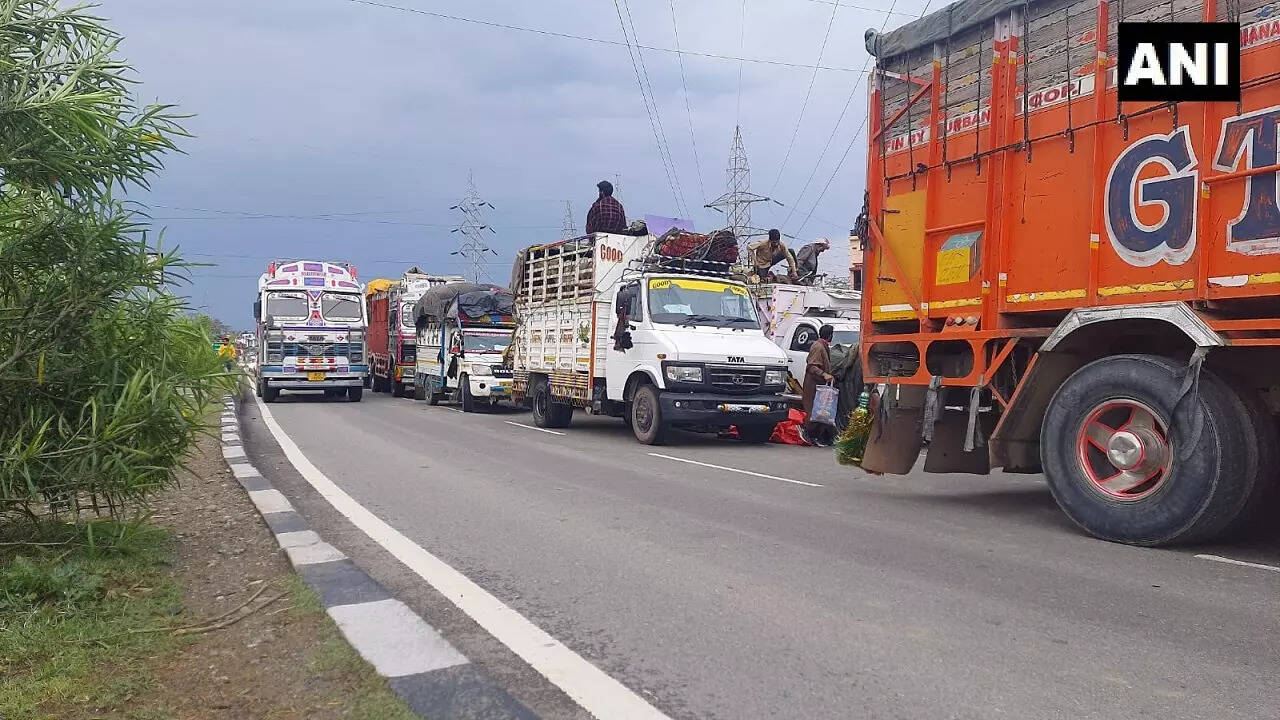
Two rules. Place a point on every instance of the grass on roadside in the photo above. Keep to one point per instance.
(70, 616)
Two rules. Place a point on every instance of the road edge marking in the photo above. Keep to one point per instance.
(744, 472)
(590, 687)
(1242, 563)
(533, 427)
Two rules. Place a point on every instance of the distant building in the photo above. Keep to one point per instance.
(855, 261)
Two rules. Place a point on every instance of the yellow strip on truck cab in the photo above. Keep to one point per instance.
(691, 284)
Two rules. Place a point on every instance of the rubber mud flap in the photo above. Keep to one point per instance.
(947, 454)
(894, 445)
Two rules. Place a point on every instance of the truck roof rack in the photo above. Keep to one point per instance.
(657, 262)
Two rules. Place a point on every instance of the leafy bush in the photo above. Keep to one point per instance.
(105, 381)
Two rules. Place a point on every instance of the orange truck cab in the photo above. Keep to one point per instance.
(1059, 282)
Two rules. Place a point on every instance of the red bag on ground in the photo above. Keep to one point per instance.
(787, 432)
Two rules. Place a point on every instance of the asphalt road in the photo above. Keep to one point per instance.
(717, 594)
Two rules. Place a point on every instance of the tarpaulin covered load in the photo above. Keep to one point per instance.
(469, 299)
(936, 26)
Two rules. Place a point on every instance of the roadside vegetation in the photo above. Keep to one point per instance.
(108, 384)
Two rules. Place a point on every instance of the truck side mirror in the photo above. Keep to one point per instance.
(257, 310)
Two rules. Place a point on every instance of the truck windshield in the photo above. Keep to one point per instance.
(690, 301)
(340, 306)
(475, 342)
(287, 305)
(845, 337)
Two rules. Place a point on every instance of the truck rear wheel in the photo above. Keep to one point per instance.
(269, 394)
(1117, 467)
(546, 412)
(354, 394)
(419, 389)
(367, 381)
(646, 416)
(397, 389)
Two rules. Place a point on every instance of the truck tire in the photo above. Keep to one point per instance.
(397, 389)
(270, 394)
(433, 395)
(354, 394)
(257, 387)
(1263, 502)
(1114, 464)
(546, 412)
(755, 434)
(419, 389)
(465, 399)
(366, 381)
(646, 416)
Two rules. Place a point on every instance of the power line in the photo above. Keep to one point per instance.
(657, 139)
(851, 6)
(835, 171)
(795, 132)
(588, 38)
(653, 99)
(853, 91)
(693, 140)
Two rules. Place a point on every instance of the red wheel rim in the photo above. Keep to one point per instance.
(1123, 449)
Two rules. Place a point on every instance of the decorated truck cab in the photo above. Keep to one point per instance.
(464, 330)
(310, 330)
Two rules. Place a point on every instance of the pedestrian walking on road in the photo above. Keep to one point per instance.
(817, 372)
(227, 352)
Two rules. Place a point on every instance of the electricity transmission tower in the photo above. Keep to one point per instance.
(568, 229)
(737, 201)
(473, 247)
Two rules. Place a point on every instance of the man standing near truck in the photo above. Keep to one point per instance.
(606, 214)
(817, 371)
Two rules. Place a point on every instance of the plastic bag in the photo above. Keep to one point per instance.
(825, 401)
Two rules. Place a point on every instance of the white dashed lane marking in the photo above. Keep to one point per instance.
(730, 469)
(1241, 563)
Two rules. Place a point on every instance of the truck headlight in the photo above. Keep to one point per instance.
(773, 377)
(684, 373)
(481, 370)
(274, 353)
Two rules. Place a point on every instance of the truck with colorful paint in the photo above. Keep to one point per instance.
(310, 330)
(1059, 282)
(392, 337)
(463, 331)
(611, 327)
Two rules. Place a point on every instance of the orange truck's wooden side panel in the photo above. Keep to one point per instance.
(1103, 206)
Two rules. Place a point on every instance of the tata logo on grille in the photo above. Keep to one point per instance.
(739, 380)
(1179, 61)
(316, 350)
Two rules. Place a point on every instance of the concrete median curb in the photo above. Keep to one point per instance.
(420, 665)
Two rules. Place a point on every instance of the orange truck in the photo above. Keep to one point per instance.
(1057, 282)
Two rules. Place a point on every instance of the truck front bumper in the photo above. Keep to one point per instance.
(300, 381)
(722, 410)
(490, 387)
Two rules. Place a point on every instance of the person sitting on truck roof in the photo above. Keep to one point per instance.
(606, 214)
(764, 254)
(807, 260)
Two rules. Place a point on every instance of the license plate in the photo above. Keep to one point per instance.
(499, 389)
(315, 376)
(744, 408)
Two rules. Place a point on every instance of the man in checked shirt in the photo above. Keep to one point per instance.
(606, 214)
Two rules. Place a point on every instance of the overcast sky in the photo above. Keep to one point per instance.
(360, 124)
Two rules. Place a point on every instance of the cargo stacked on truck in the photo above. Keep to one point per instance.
(608, 326)
(463, 332)
(392, 336)
(311, 329)
(791, 316)
(1095, 285)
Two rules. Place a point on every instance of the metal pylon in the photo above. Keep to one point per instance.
(568, 229)
(473, 227)
(737, 201)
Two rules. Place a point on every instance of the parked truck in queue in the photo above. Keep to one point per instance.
(463, 332)
(392, 336)
(692, 354)
(310, 330)
(1094, 285)
(791, 316)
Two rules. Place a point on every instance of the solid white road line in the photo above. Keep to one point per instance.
(532, 427)
(1242, 563)
(744, 472)
(588, 685)
(394, 639)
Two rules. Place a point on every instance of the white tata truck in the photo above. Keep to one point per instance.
(607, 325)
(792, 314)
(311, 330)
(463, 331)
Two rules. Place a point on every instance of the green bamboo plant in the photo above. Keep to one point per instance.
(105, 379)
